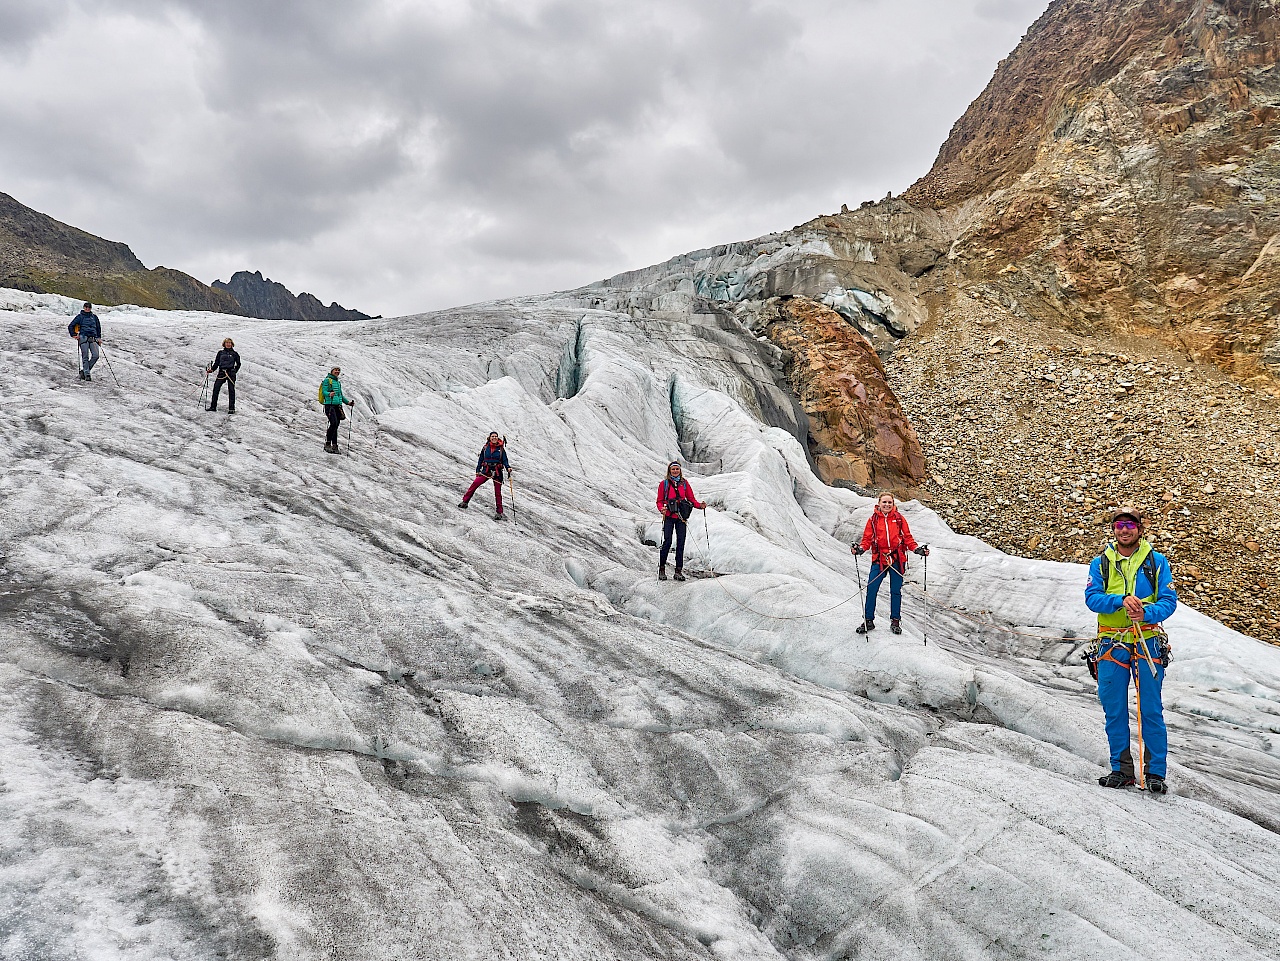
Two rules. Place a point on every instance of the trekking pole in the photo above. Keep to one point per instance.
(350, 420)
(706, 527)
(204, 393)
(110, 369)
(79, 358)
(861, 596)
(926, 594)
(511, 486)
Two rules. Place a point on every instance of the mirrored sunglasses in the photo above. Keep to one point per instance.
(1126, 526)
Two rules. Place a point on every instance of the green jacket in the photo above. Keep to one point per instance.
(331, 391)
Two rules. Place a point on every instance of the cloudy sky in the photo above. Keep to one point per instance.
(403, 155)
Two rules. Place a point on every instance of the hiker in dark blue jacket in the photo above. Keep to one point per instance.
(87, 330)
(227, 364)
(492, 461)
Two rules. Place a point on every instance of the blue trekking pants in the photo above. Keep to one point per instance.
(88, 353)
(895, 590)
(1113, 692)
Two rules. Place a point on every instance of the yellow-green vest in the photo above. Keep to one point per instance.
(1122, 575)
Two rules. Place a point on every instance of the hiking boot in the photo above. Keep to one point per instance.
(1116, 779)
(866, 627)
(662, 572)
(499, 516)
(679, 576)
(211, 407)
(88, 376)
(895, 625)
(464, 504)
(331, 449)
(82, 376)
(231, 410)
(1156, 785)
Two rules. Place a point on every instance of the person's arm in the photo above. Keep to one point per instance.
(1166, 601)
(73, 328)
(236, 368)
(480, 462)
(858, 548)
(1095, 596)
(693, 497)
(662, 503)
(505, 463)
(99, 323)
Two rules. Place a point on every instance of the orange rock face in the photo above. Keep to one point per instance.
(859, 432)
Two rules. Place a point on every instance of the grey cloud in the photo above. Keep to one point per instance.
(403, 156)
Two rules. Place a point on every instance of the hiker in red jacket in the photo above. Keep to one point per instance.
(888, 538)
(675, 503)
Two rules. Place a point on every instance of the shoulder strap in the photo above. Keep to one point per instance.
(1152, 571)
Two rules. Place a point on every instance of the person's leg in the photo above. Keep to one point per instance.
(475, 486)
(682, 529)
(668, 528)
(1113, 692)
(1154, 734)
(873, 588)
(497, 493)
(895, 592)
(84, 355)
(331, 411)
(93, 356)
(231, 392)
(217, 387)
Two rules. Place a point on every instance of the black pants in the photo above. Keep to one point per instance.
(334, 413)
(679, 528)
(230, 380)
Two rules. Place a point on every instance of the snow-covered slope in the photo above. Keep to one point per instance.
(261, 702)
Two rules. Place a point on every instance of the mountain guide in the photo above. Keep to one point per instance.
(888, 538)
(1130, 588)
(227, 364)
(675, 503)
(490, 465)
(86, 329)
(332, 397)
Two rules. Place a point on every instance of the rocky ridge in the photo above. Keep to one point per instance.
(41, 255)
(263, 297)
(1121, 175)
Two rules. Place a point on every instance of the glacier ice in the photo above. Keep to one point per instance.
(260, 702)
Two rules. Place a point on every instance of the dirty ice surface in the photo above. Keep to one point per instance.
(257, 701)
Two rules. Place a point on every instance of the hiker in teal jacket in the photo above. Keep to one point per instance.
(333, 398)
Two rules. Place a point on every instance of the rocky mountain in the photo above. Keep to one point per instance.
(262, 297)
(42, 255)
(1078, 306)
(1121, 174)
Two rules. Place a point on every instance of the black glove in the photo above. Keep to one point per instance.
(923, 550)
(351, 403)
(859, 551)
